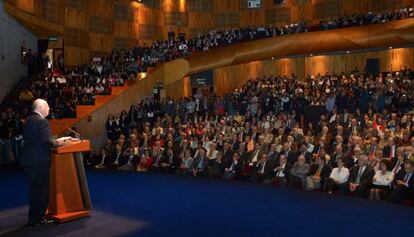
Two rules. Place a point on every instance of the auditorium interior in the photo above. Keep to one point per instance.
(207, 117)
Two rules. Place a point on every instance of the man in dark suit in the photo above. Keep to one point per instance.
(262, 169)
(404, 183)
(273, 155)
(360, 178)
(280, 172)
(338, 154)
(234, 169)
(35, 161)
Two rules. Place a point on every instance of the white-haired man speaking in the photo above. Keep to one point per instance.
(35, 161)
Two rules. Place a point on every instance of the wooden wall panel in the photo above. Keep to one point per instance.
(227, 79)
(151, 19)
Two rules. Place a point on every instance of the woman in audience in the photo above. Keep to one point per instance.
(381, 183)
(338, 176)
(145, 162)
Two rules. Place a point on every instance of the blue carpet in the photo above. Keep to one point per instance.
(131, 204)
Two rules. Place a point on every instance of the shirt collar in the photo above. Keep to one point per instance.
(38, 114)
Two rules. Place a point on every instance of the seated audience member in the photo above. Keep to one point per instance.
(318, 173)
(298, 173)
(338, 154)
(217, 167)
(107, 153)
(232, 171)
(130, 157)
(403, 184)
(169, 162)
(262, 169)
(381, 183)
(398, 161)
(239, 121)
(200, 162)
(281, 173)
(186, 162)
(119, 152)
(145, 162)
(338, 176)
(360, 178)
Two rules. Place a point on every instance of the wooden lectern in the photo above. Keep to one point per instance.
(69, 195)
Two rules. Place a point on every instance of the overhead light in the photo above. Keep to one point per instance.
(347, 51)
(390, 47)
(311, 54)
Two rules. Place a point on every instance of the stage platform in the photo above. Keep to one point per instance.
(132, 204)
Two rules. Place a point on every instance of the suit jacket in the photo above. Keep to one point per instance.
(366, 177)
(197, 160)
(386, 151)
(285, 171)
(292, 157)
(401, 175)
(228, 157)
(237, 168)
(165, 159)
(37, 142)
(325, 172)
(267, 169)
(273, 156)
(394, 162)
(217, 166)
(252, 154)
(334, 159)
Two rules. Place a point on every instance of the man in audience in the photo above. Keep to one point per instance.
(280, 174)
(232, 171)
(403, 183)
(262, 169)
(298, 173)
(360, 178)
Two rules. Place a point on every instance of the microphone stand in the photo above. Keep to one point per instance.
(78, 136)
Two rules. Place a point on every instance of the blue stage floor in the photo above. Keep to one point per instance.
(131, 204)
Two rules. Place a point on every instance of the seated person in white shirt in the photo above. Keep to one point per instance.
(381, 183)
(339, 175)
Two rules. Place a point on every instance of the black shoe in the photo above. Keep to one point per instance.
(45, 221)
(33, 224)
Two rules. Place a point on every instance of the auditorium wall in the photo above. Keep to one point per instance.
(98, 26)
(13, 36)
(229, 78)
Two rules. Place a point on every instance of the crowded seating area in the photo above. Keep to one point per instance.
(68, 88)
(362, 144)
(156, 117)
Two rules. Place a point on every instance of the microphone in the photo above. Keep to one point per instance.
(77, 135)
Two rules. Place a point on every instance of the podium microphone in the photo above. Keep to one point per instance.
(77, 135)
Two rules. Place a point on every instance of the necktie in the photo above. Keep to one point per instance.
(392, 151)
(263, 166)
(318, 172)
(372, 153)
(397, 167)
(232, 166)
(407, 177)
(359, 175)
